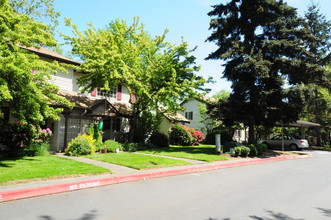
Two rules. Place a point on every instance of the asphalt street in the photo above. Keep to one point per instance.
(285, 190)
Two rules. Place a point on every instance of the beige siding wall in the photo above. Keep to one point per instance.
(193, 106)
(164, 126)
(75, 86)
(125, 95)
(64, 80)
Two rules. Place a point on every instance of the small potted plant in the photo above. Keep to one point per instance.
(103, 149)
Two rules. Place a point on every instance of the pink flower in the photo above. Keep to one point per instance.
(24, 135)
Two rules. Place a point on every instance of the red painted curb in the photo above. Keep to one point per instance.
(67, 187)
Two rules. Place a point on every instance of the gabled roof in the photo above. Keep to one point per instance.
(208, 99)
(44, 52)
(80, 102)
(204, 99)
(88, 103)
(176, 117)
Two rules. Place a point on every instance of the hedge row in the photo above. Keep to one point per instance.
(252, 150)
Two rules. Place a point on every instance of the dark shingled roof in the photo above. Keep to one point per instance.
(88, 103)
(44, 52)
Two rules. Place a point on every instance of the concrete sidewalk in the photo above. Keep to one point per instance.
(121, 175)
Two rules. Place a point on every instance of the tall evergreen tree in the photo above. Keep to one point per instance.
(263, 45)
(320, 28)
(318, 103)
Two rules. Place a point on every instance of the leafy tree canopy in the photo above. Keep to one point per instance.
(320, 28)
(159, 73)
(24, 86)
(264, 44)
(222, 95)
(38, 10)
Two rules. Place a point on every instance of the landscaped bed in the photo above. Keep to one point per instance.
(25, 169)
(200, 152)
(137, 161)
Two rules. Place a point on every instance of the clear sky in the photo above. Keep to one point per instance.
(183, 18)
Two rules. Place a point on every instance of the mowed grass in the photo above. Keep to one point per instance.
(25, 168)
(200, 152)
(137, 161)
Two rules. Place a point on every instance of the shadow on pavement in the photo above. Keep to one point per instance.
(275, 216)
(326, 212)
(87, 216)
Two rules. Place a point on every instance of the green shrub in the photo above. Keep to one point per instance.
(228, 145)
(180, 136)
(237, 151)
(82, 145)
(111, 146)
(159, 139)
(94, 132)
(242, 151)
(253, 150)
(145, 146)
(37, 149)
(261, 148)
(130, 147)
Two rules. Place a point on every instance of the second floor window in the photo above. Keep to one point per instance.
(107, 93)
(189, 115)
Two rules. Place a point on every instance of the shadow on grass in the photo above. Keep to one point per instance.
(188, 149)
(208, 151)
(271, 153)
(10, 162)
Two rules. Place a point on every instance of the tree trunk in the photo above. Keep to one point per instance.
(251, 137)
(318, 135)
(133, 126)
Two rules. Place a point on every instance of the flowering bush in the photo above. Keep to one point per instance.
(185, 136)
(17, 137)
(180, 136)
(43, 135)
(197, 135)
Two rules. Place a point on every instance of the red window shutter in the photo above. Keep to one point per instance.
(133, 98)
(119, 92)
(94, 92)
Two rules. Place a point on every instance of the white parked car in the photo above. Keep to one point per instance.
(292, 142)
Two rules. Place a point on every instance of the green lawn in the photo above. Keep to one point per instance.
(43, 167)
(326, 147)
(137, 161)
(201, 152)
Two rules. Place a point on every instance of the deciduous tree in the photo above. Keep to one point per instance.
(157, 72)
(23, 76)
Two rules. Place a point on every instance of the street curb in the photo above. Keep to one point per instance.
(78, 185)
